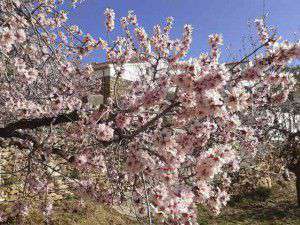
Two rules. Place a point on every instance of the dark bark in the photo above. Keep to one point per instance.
(298, 187)
(10, 129)
(295, 168)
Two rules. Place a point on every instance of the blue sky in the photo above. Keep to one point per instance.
(229, 17)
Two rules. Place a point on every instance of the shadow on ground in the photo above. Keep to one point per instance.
(274, 207)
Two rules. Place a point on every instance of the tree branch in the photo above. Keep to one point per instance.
(250, 54)
(9, 130)
(153, 120)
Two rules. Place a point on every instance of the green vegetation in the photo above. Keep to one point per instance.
(262, 207)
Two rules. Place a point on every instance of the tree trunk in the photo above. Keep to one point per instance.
(295, 168)
(298, 187)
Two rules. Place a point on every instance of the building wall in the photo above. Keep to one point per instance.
(132, 72)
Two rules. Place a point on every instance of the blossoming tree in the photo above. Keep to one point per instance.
(279, 133)
(165, 145)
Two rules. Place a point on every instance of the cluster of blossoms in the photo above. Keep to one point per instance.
(166, 144)
(110, 19)
(185, 44)
(263, 32)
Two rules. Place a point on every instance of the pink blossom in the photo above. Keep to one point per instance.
(110, 19)
(105, 132)
(122, 120)
(31, 75)
(20, 36)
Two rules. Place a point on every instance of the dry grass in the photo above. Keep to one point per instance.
(277, 207)
(71, 214)
(106, 216)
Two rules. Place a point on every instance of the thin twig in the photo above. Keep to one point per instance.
(147, 200)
